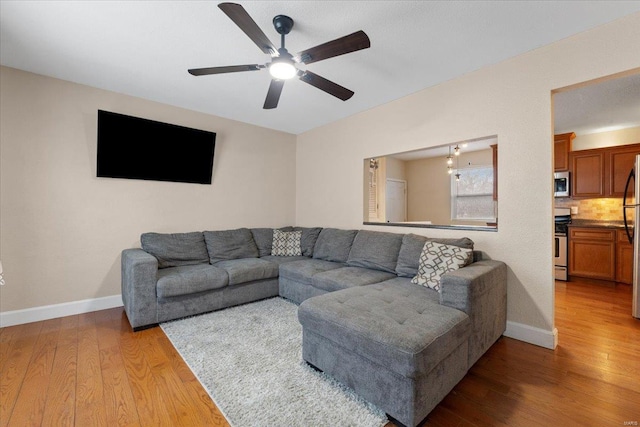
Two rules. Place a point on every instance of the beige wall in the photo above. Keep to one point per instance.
(396, 169)
(429, 191)
(511, 100)
(606, 139)
(429, 185)
(62, 229)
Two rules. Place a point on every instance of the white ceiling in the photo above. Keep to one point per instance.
(604, 106)
(143, 48)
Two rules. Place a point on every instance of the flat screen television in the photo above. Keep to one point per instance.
(134, 148)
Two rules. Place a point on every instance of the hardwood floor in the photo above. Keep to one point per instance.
(91, 369)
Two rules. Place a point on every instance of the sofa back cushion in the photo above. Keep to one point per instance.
(230, 244)
(376, 250)
(334, 244)
(263, 237)
(309, 239)
(176, 249)
(411, 248)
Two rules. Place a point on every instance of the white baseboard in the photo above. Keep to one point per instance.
(45, 312)
(532, 335)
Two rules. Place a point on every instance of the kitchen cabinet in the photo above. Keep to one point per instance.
(601, 172)
(561, 150)
(592, 252)
(621, 161)
(494, 153)
(624, 258)
(588, 171)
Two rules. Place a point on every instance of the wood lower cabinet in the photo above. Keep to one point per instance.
(592, 253)
(600, 253)
(624, 258)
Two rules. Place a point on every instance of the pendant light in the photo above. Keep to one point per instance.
(449, 162)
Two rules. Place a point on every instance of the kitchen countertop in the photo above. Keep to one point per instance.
(599, 223)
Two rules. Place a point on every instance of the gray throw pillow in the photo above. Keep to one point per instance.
(309, 239)
(174, 250)
(230, 244)
(264, 238)
(376, 250)
(437, 259)
(286, 243)
(334, 244)
(411, 248)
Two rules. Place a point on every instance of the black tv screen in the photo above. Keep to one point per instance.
(134, 148)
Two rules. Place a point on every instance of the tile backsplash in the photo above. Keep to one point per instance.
(600, 209)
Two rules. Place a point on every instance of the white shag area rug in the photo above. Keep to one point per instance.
(249, 359)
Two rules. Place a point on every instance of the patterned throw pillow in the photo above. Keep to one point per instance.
(286, 243)
(437, 259)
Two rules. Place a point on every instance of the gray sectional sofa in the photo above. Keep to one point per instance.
(399, 345)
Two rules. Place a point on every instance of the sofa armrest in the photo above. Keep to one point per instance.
(480, 290)
(139, 277)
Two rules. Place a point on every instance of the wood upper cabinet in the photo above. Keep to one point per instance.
(588, 173)
(601, 172)
(494, 152)
(561, 149)
(621, 161)
(624, 259)
(592, 253)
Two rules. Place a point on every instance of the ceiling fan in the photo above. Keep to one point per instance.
(283, 65)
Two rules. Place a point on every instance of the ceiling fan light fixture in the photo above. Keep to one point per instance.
(282, 70)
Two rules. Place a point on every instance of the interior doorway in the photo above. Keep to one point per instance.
(599, 115)
(396, 200)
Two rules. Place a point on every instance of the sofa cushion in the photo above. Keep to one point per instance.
(404, 285)
(230, 244)
(173, 250)
(286, 243)
(375, 249)
(263, 237)
(394, 327)
(411, 248)
(283, 259)
(303, 271)
(190, 279)
(346, 277)
(248, 269)
(334, 244)
(309, 239)
(437, 259)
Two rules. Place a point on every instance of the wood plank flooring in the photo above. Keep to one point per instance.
(91, 370)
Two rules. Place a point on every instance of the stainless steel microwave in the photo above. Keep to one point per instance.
(561, 184)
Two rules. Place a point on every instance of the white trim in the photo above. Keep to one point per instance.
(532, 335)
(45, 312)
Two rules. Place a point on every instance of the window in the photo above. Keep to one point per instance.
(373, 190)
(472, 195)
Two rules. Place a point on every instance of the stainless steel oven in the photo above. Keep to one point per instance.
(562, 218)
(560, 257)
(561, 184)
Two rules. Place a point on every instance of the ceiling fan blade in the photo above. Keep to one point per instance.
(326, 85)
(222, 70)
(273, 96)
(249, 26)
(351, 43)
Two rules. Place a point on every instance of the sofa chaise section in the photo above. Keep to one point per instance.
(393, 346)
(402, 346)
